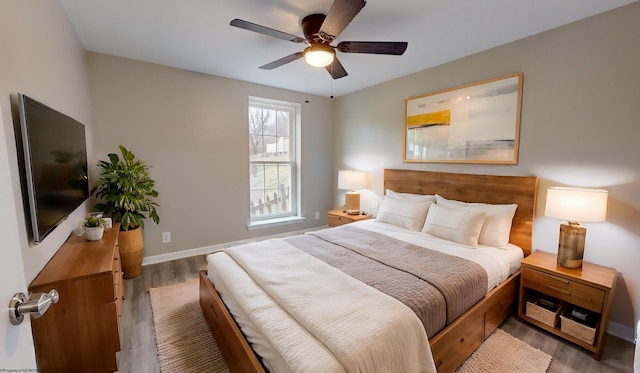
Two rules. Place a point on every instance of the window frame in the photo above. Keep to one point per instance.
(294, 109)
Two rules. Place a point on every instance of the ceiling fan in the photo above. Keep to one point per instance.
(319, 32)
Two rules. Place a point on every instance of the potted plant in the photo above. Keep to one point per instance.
(94, 228)
(127, 195)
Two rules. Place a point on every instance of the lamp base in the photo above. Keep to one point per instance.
(352, 203)
(571, 245)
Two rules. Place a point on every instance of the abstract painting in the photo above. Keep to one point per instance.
(475, 123)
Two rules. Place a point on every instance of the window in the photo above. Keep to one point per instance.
(272, 159)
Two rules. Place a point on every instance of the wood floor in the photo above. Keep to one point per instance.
(138, 354)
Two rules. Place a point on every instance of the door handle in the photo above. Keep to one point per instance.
(37, 305)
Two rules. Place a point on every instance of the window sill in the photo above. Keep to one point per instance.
(268, 223)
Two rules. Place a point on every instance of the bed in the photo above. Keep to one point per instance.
(450, 341)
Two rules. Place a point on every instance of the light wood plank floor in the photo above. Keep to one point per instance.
(139, 353)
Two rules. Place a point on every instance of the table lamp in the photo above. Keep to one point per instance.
(352, 180)
(573, 205)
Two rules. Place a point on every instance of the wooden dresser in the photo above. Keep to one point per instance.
(81, 333)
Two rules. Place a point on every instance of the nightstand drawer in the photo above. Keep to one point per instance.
(339, 217)
(335, 221)
(573, 292)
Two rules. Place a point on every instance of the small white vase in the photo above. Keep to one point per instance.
(94, 233)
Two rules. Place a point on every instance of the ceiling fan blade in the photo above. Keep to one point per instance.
(266, 30)
(336, 69)
(373, 47)
(339, 16)
(282, 61)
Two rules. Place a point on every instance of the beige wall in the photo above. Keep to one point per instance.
(192, 129)
(579, 127)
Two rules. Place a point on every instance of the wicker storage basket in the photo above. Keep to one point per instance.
(542, 314)
(577, 330)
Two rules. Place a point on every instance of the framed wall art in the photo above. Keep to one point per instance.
(475, 123)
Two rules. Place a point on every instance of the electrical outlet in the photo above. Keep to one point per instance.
(374, 205)
(317, 215)
(166, 237)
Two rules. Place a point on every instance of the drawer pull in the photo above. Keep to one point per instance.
(559, 290)
(559, 279)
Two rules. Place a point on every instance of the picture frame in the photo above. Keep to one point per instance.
(474, 123)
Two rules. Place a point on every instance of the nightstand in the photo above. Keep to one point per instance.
(339, 217)
(588, 288)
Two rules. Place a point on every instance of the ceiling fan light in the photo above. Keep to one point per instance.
(319, 55)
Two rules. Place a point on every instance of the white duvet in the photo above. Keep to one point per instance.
(344, 326)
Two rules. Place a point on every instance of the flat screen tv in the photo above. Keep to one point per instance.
(53, 162)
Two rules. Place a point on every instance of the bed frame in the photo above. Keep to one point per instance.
(453, 344)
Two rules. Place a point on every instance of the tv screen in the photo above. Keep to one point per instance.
(54, 164)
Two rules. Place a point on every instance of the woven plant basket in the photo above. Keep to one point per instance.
(130, 244)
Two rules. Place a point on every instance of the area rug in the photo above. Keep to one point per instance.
(183, 338)
(502, 352)
(185, 343)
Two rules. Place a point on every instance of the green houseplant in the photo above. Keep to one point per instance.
(94, 222)
(94, 228)
(127, 195)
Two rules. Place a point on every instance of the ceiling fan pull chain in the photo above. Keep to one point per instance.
(306, 79)
(331, 81)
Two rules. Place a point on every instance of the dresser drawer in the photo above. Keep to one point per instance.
(117, 275)
(570, 291)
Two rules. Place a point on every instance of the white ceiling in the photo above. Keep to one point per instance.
(195, 34)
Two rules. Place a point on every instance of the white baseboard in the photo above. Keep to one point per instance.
(154, 259)
(621, 331)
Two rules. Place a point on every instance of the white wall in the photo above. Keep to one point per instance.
(41, 57)
(17, 351)
(579, 127)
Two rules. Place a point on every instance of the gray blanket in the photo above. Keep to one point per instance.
(438, 287)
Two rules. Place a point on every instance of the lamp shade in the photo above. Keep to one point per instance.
(578, 205)
(352, 180)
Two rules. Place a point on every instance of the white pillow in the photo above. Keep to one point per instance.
(411, 196)
(403, 212)
(454, 224)
(497, 224)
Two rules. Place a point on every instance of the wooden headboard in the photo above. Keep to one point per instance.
(521, 190)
